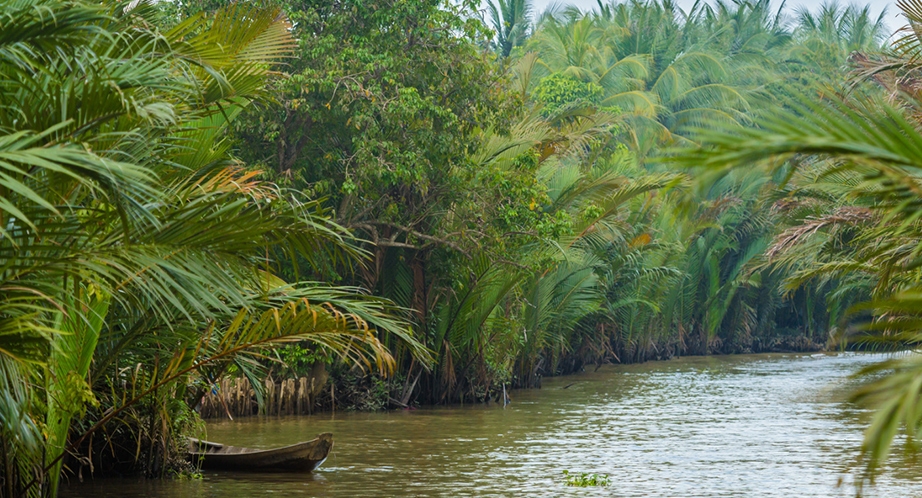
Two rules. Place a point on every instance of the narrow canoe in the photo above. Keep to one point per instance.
(300, 457)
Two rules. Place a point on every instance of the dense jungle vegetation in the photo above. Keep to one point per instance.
(448, 196)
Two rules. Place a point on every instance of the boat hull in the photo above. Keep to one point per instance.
(300, 457)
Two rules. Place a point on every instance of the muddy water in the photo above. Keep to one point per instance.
(761, 425)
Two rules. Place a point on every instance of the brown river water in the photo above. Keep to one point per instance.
(750, 425)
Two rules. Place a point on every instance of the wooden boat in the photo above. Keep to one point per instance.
(300, 457)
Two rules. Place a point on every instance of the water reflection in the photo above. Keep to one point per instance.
(761, 425)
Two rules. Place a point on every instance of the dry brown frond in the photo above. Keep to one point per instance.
(788, 204)
(849, 215)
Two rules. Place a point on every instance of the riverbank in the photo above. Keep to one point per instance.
(761, 425)
(350, 390)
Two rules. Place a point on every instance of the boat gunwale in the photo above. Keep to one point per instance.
(222, 449)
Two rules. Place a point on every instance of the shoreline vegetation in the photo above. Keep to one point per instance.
(232, 398)
(427, 202)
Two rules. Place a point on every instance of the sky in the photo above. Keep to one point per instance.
(876, 6)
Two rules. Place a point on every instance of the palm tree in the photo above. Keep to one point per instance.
(875, 147)
(128, 234)
(664, 69)
(567, 290)
(827, 37)
(511, 20)
(751, 27)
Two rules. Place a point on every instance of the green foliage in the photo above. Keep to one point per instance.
(188, 476)
(182, 181)
(365, 394)
(560, 90)
(512, 210)
(585, 479)
(852, 158)
(298, 360)
(511, 22)
(134, 246)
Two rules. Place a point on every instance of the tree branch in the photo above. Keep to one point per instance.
(371, 227)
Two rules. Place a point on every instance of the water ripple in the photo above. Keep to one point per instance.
(761, 425)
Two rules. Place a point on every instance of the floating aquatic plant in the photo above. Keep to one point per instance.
(585, 479)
